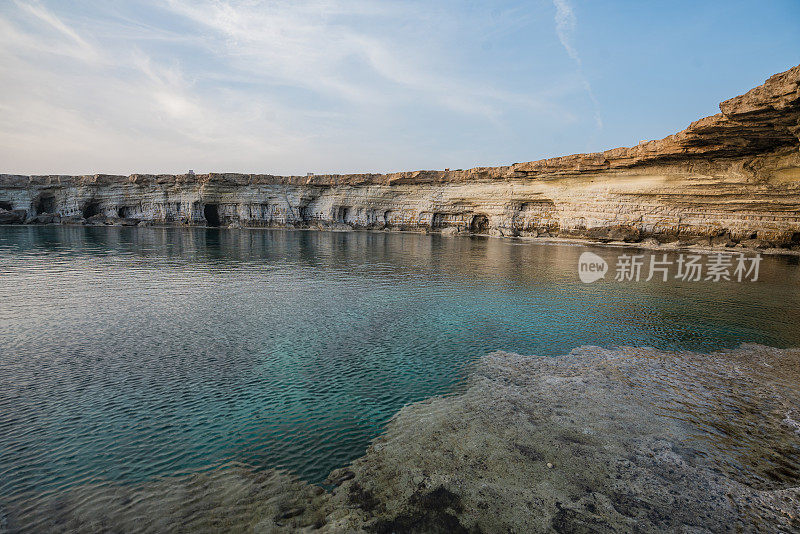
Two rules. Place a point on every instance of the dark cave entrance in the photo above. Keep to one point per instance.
(342, 214)
(90, 209)
(45, 204)
(479, 224)
(6, 206)
(211, 213)
(123, 212)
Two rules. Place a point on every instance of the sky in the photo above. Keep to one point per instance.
(290, 87)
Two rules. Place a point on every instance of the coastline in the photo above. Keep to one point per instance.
(650, 244)
(399, 268)
(731, 178)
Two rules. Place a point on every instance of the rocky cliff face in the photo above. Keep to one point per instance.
(733, 177)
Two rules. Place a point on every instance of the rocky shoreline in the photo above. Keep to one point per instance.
(694, 244)
(599, 440)
(729, 180)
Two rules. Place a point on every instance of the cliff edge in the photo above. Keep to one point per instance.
(733, 176)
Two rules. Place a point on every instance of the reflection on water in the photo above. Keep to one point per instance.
(127, 353)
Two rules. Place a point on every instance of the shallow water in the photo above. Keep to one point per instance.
(128, 353)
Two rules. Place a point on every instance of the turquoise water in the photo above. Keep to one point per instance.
(128, 353)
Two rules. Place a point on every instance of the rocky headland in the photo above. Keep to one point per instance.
(732, 179)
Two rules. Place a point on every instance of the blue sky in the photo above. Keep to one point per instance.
(290, 87)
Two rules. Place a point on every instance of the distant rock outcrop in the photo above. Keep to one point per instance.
(734, 175)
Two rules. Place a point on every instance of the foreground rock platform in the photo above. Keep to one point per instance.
(599, 440)
(734, 176)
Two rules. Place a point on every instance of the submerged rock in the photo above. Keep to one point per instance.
(643, 441)
(624, 440)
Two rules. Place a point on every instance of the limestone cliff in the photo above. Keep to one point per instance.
(733, 177)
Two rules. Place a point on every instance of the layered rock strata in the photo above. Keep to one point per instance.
(734, 176)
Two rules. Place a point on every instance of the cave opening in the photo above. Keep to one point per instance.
(123, 212)
(6, 206)
(211, 213)
(479, 224)
(90, 209)
(46, 203)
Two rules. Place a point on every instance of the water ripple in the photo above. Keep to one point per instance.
(128, 354)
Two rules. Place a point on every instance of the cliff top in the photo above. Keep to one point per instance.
(762, 120)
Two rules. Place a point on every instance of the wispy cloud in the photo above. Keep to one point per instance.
(312, 45)
(279, 86)
(566, 24)
(74, 41)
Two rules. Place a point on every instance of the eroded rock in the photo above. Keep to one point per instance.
(734, 173)
(623, 440)
(626, 433)
(11, 216)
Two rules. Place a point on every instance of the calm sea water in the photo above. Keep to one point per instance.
(128, 353)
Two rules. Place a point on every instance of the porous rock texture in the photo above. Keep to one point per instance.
(624, 440)
(598, 440)
(734, 176)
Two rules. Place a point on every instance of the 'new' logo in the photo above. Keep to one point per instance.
(591, 267)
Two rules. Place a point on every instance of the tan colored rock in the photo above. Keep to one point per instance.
(735, 173)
